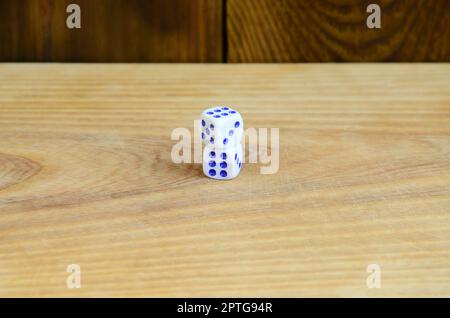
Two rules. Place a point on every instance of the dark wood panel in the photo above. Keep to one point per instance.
(112, 31)
(335, 30)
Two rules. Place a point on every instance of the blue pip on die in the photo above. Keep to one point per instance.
(222, 129)
(221, 163)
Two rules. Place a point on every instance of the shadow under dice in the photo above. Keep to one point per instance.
(224, 163)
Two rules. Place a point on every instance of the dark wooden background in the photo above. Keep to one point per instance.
(225, 31)
(112, 31)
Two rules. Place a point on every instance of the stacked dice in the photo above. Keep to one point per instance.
(221, 132)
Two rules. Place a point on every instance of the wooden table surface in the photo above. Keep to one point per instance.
(86, 178)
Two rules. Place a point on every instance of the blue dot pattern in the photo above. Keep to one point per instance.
(208, 127)
(237, 159)
(220, 112)
(220, 168)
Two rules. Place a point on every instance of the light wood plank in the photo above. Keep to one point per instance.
(86, 178)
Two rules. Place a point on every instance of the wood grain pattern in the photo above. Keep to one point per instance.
(86, 178)
(335, 31)
(112, 31)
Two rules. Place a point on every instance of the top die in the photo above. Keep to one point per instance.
(221, 127)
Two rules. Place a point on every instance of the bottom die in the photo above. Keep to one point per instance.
(222, 164)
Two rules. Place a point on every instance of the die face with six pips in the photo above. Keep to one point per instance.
(221, 131)
(221, 163)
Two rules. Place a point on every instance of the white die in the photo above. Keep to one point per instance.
(222, 163)
(221, 126)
